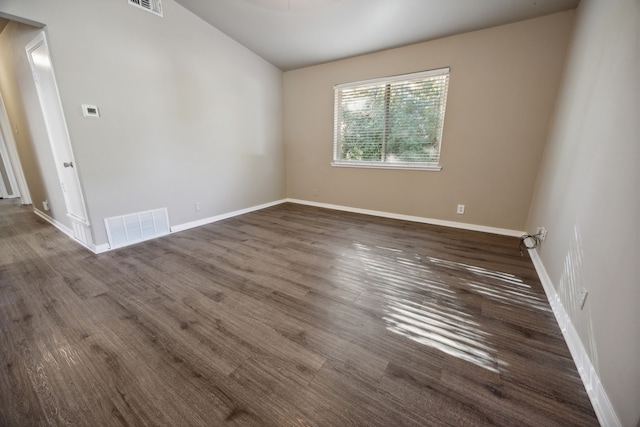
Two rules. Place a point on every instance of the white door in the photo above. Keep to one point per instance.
(8, 184)
(43, 74)
(8, 147)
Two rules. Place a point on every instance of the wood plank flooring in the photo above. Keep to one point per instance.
(289, 316)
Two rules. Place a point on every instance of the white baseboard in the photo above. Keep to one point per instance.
(453, 224)
(66, 230)
(98, 249)
(181, 227)
(209, 220)
(102, 248)
(60, 226)
(599, 399)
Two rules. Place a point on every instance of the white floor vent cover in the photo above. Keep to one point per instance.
(153, 6)
(128, 229)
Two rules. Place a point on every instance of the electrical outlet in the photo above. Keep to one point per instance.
(583, 298)
(197, 206)
(541, 233)
(460, 210)
(45, 205)
(315, 191)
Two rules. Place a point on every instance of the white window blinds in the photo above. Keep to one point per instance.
(395, 121)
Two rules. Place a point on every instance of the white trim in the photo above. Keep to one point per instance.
(98, 249)
(453, 224)
(188, 225)
(12, 151)
(101, 248)
(78, 219)
(205, 221)
(21, 20)
(396, 78)
(66, 230)
(599, 399)
(11, 176)
(57, 224)
(38, 41)
(386, 165)
(342, 93)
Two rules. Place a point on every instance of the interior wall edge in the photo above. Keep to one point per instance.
(22, 20)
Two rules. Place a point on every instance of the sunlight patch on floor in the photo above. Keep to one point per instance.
(423, 299)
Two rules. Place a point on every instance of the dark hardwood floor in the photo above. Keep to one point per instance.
(290, 316)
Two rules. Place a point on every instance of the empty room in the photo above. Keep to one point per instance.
(320, 212)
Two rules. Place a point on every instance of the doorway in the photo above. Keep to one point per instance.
(8, 184)
(12, 181)
(65, 164)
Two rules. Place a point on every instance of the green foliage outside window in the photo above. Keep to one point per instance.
(396, 122)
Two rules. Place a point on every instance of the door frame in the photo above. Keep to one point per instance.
(81, 225)
(8, 171)
(11, 151)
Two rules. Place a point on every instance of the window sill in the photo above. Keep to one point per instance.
(401, 166)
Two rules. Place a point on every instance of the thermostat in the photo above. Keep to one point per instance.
(90, 111)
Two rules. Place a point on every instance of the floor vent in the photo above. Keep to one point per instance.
(133, 228)
(153, 6)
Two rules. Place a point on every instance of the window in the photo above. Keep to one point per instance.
(394, 122)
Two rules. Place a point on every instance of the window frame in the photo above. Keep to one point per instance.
(371, 164)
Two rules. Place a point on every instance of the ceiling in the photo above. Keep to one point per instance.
(297, 33)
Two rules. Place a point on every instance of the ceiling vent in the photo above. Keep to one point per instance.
(153, 6)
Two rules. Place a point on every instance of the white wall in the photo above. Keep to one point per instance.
(588, 196)
(187, 113)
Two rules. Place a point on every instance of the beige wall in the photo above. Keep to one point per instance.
(188, 115)
(588, 196)
(501, 94)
